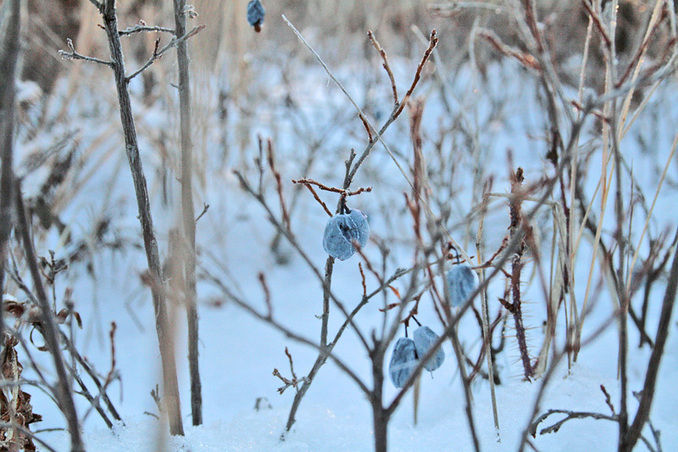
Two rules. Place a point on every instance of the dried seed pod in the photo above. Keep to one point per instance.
(342, 231)
(403, 361)
(424, 338)
(255, 14)
(462, 281)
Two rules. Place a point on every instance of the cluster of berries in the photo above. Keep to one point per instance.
(407, 352)
(350, 229)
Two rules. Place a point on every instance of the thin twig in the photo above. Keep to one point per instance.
(205, 207)
(570, 415)
(157, 53)
(643, 413)
(141, 27)
(73, 55)
(387, 67)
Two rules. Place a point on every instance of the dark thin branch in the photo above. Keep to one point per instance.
(93, 375)
(286, 331)
(387, 67)
(570, 415)
(143, 27)
(73, 55)
(643, 413)
(49, 328)
(205, 207)
(157, 53)
(432, 43)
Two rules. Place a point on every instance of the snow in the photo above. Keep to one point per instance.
(239, 353)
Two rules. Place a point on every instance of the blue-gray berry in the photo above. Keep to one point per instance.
(403, 361)
(342, 231)
(462, 281)
(255, 14)
(424, 338)
(363, 227)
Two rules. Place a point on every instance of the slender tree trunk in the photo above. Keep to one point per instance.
(380, 429)
(380, 415)
(165, 336)
(9, 54)
(188, 212)
(322, 356)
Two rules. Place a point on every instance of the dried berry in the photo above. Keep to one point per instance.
(403, 361)
(462, 281)
(255, 14)
(360, 220)
(342, 231)
(424, 338)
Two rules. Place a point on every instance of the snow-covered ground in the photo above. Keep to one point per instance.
(239, 353)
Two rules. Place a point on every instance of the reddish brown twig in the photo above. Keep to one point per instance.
(432, 43)
(267, 294)
(363, 119)
(598, 23)
(317, 198)
(294, 381)
(111, 373)
(524, 58)
(270, 156)
(641, 51)
(382, 52)
(324, 187)
(608, 399)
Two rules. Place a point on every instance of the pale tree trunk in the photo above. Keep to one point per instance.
(188, 212)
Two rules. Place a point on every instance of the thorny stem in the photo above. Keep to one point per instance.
(516, 269)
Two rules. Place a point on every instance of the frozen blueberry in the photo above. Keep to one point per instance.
(342, 230)
(424, 338)
(462, 281)
(255, 14)
(360, 220)
(403, 361)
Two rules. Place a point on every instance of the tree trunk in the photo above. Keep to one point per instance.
(165, 337)
(188, 212)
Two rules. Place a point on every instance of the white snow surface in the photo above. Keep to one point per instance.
(238, 353)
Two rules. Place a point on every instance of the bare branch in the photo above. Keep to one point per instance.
(382, 52)
(643, 413)
(73, 55)
(570, 415)
(141, 27)
(49, 328)
(205, 207)
(159, 53)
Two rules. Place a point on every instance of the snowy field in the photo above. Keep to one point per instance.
(478, 127)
